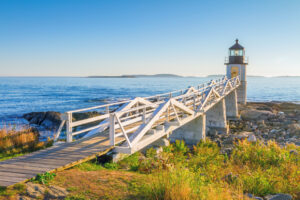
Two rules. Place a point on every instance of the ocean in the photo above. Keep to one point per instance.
(20, 95)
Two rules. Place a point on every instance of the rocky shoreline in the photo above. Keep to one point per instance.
(265, 121)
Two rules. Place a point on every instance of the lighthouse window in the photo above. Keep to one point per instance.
(236, 53)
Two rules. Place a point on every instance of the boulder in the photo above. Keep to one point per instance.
(279, 197)
(251, 138)
(254, 197)
(35, 190)
(49, 120)
(294, 152)
(294, 129)
(56, 192)
(256, 114)
(243, 135)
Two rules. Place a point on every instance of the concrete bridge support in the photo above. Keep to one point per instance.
(216, 118)
(191, 132)
(231, 105)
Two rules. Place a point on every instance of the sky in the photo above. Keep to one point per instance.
(115, 37)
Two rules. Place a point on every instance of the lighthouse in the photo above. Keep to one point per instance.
(236, 66)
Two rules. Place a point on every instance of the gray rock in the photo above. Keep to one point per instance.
(273, 131)
(56, 192)
(252, 114)
(252, 138)
(279, 197)
(49, 120)
(243, 135)
(35, 190)
(22, 197)
(294, 129)
(254, 197)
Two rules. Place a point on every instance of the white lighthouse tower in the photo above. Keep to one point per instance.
(236, 66)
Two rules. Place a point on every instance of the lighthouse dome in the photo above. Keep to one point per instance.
(237, 45)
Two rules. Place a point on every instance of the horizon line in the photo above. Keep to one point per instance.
(183, 76)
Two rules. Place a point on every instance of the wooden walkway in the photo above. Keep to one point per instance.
(56, 158)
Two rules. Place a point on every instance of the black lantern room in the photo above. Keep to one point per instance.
(236, 54)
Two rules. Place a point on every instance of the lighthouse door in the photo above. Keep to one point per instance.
(234, 71)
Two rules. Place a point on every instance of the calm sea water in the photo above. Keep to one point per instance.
(23, 95)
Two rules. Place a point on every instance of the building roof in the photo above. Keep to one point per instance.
(237, 45)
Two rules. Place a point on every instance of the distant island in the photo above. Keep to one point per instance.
(140, 76)
(179, 76)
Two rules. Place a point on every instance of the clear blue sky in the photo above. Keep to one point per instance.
(113, 37)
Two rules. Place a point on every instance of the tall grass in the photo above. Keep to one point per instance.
(204, 173)
(16, 142)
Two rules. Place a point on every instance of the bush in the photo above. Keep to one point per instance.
(17, 142)
(111, 165)
(131, 162)
(44, 178)
(175, 184)
(180, 147)
(253, 167)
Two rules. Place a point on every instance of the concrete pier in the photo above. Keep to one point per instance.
(216, 117)
(192, 132)
(231, 105)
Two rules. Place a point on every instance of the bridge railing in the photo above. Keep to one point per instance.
(134, 111)
(168, 114)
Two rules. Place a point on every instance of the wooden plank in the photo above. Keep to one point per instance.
(65, 153)
(13, 174)
(37, 164)
(11, 166)
(6, 183)
(12, 170)
(12, 179)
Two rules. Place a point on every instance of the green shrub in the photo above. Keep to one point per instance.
(131, 162)
(151, 153)
(175, 184)
(180, 147)
(111, 165)
(89, 166)
(44, 178)
(260, 155)
(206, 157)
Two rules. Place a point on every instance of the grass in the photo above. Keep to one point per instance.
(15, 142)
(182, 173)
(10, 193)
(89, 166)
(204, 173)
(99, 184)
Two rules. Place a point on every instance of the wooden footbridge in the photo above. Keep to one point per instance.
(130, 126)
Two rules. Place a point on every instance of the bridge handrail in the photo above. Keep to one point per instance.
(157, 100)
(148, 97)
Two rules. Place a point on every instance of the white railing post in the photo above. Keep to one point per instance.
(194, 102)
(69, 127)
(167, 114)
(112, 129)
(144, 115)
(107, 109)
